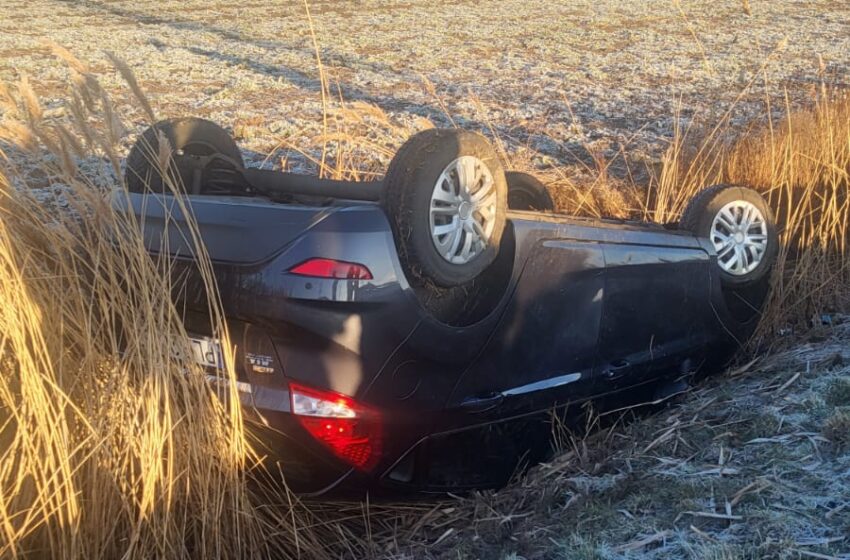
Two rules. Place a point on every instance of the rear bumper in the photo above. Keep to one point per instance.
(292, 457)
(423, 453)
(308, 468)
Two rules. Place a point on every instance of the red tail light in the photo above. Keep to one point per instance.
(352, 431)
(330, 268)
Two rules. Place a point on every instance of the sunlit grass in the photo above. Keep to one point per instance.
(113, 444)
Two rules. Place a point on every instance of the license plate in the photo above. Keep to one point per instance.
(207, 352)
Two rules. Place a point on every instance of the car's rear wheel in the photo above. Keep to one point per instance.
(446, 196)
(740, 226)
(526, 192)
(189, 136)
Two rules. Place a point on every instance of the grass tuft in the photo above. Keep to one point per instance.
(838, 393)
(837, 429)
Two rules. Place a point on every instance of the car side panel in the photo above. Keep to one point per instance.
(544, 347)
(657, 317)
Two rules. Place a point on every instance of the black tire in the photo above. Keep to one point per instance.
(699, 217)
(190, 135)
(526, 192)
(410, 182)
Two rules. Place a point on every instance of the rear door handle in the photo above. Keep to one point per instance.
(482, 403)
(617, 369)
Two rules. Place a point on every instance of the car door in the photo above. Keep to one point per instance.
(657, 309)
(543, 350)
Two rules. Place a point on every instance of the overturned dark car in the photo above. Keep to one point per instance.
(418, 333)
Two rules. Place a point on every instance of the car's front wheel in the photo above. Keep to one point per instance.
(740, 226)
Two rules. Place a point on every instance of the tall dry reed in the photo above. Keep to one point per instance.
(112, 443)
(801, 164)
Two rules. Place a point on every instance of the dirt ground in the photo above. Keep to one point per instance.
(557, 77)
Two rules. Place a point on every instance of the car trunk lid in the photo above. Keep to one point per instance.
(234, 230)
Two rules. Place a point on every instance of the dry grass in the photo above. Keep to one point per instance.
(802, 166)
(113, 444)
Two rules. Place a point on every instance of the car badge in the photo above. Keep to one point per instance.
(260, 363)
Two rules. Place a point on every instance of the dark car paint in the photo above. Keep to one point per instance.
(589, 307)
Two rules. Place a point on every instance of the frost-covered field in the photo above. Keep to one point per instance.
(553, 75)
